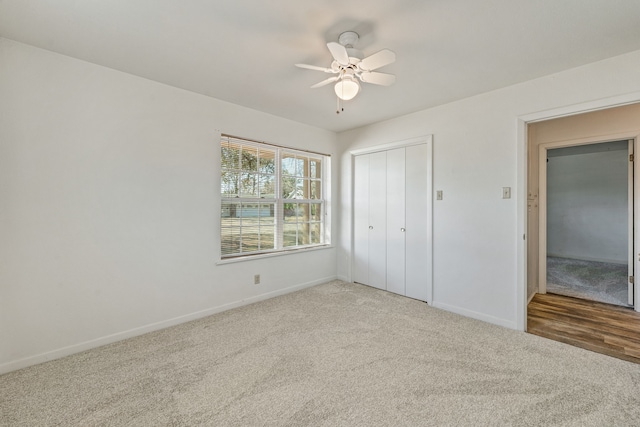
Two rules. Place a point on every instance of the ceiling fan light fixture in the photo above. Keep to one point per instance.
(347, 88)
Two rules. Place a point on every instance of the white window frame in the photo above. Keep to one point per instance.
(279, 201)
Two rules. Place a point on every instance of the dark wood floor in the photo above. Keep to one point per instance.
(595, 326)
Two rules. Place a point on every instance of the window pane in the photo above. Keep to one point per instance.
(288, 164)
(267, 186)
(249, 159)
(315, 234)
(267, 240)
(289, 235)
(229, 184)
(250, 235)
(301, 191)
(267, 164)
(315, 168)
(249, 185)
(316, 212)
(316, 191)
(230, 240)
(303, 233)
(290, 212)
(230, 156)
(288, 187)
(267, 211)
(303, 212)
(230, 214)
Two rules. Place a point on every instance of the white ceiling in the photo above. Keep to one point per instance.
(243, 51)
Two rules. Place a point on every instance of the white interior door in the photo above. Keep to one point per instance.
(418, 221)
(361, 219)
(377, 220)
(396, 221)
(392, 218)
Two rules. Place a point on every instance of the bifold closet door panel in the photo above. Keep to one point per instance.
(395, 221)
(377, 220)
(361, 219)
(416, 206)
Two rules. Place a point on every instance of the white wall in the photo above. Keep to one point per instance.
(109, 206)
(587, 205)
(477, 235)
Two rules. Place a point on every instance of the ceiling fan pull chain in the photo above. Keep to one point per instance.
(339, 107)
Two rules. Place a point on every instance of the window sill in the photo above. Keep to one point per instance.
(272, 254)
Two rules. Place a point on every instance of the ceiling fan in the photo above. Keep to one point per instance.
(351, 67)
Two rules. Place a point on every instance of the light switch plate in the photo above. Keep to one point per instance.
(506, 192)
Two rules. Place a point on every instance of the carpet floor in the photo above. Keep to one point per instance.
(337, 354)
(592, 280)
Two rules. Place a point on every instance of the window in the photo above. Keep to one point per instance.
(273, 198)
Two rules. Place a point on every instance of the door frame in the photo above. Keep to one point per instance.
(522, 120)
(542, 201)
(425, 139)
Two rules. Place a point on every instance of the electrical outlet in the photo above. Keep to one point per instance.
(256, 279)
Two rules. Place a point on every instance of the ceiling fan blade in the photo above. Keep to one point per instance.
(376, 78)
(325, 82)
(313, 67)
(339, 53)
(377, 60)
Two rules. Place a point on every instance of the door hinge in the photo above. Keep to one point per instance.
(631, 157)
(631, 279)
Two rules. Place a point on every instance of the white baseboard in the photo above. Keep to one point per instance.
(475, 315)
(586, 258)
(531, 297)
(119, 336)
(344, 278)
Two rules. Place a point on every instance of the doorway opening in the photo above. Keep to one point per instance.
(589, 221)
(591, 228)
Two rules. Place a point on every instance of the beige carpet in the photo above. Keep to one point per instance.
(333, 355)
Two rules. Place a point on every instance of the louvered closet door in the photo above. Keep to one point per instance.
(396, 221)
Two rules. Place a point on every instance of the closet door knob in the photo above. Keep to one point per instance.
(371, 227)
(403, 230)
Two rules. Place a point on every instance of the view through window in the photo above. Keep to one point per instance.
(272, 198)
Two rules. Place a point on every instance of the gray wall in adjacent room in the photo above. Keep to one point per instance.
(587, 202)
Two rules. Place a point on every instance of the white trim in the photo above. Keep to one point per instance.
(521, 229)
(521, 122)
(542, 218)
(475, 315)
(429, 215)
(636, 225)
(585, 107)
(87, 345)
(426, 139)
(531, 298)
(243, 258)
(631, 201)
